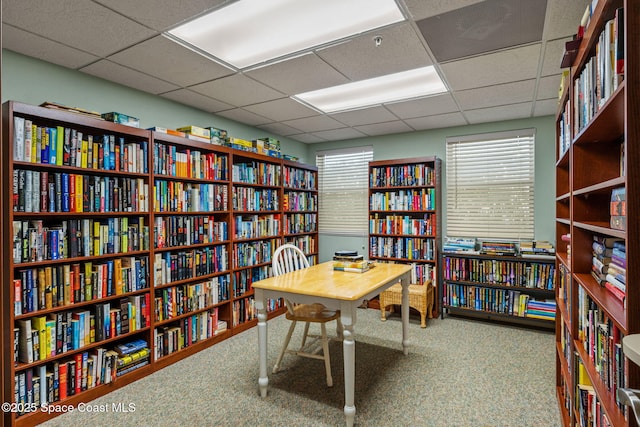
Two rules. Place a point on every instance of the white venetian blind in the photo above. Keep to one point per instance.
(343, 183)
(490, 184)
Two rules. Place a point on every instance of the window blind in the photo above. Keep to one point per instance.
(490, 185)
(343, 183)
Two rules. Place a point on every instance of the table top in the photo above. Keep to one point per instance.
(631, 347)
(322, 281)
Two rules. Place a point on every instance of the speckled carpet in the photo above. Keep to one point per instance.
(458, 373)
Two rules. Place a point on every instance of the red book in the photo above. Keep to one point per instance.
(62, 378)
(78, 373)
(615, 291)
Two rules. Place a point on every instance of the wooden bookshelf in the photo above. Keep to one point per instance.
(404, 217)
(176, 208)
(597, 155)
(496, 287)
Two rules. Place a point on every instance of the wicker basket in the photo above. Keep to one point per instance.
(420, 298)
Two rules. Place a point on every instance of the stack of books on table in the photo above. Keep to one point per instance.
(537, 249)
(350, 261)
(541, 309)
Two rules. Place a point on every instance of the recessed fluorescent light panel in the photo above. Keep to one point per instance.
(250, 32)
(392, 87)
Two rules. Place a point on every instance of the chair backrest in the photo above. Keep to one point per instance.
(288, 258)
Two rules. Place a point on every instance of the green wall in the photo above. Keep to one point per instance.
(32, 81)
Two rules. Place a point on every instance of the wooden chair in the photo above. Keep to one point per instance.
(420, 298)
(288, 258)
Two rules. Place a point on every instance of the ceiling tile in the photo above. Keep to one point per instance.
(280, 129)
(501, 67)
(437, 121)
(385, 128)
(360, 58)
(340, 134)
(237, 90)
(563, 18)
(365, 116)
(314, 124)
(420, 9)
(128, 77)
(509, 93)
(193, 99)
(162, 58)
(297, 75)
(81, 24)
(244, 116)
(438, 104)
(484, 27)
(153, 13)
(553, 52)
(307, 138)
(546, 107)
(504, 112)
(38, 47)
(282, 109)
(548, 87)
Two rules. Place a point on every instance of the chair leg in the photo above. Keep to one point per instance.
(325, 353)
(276, 367)
(339, 329)
(304, 335)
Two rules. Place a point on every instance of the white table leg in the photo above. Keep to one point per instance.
(348, 317)
(263, 379)
(405, 314)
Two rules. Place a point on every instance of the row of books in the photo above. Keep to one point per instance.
(299, 201)
(243, 310)
(256, 226)
(188, 163)
(502, 301)
(55, 382)
(405, 200)
(300, 223)
(176, 196)
(306, 243)
(498, 247)
(186, 264)
(398, 224)
(255, 199)
(500, 272)
(618, 209)
(248, 254)
(243, 279)
(48, 287)
(401, 176)
(256, 173)
(460, 245)
(43, 191)
(35, 241)
(299, 178)
(413, 248)
(183, 299)
(609, 264)
(188, 331)
(172, 231)
(42, 337)
(62, 146)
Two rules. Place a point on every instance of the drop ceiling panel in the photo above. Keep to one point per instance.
(81, 24)
(384, 128)
(509, 93)
(38, 47)
(546, 107)
(164, 59)
(438, 121)
(365, 116)
(563, 18)
(505, 112)
(360, 58)
(125, 76)
(314, 124)
(237, 90)
(420, 9)
(432, 105)
(280, 129)
(553, 57)
(297, 75)
(153, 13)
(244, 116)
(193, 99)
(281, 110)
(307, 138)
(340, 134)
(548, 87)
(484, 27)
(501, 67)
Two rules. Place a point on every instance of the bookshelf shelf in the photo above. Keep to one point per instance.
(159, 237)
(593, 244)
(404, 222)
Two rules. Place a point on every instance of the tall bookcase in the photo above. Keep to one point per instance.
(404, 216)
(598, 153)
(155, 235)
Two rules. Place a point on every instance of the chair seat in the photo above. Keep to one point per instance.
(312, 313)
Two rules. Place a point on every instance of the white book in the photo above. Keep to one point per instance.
(18, 138)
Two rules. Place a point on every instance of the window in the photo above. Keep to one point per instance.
(490, 183)
(343, 184)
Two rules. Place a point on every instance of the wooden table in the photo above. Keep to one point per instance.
(338, 290)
